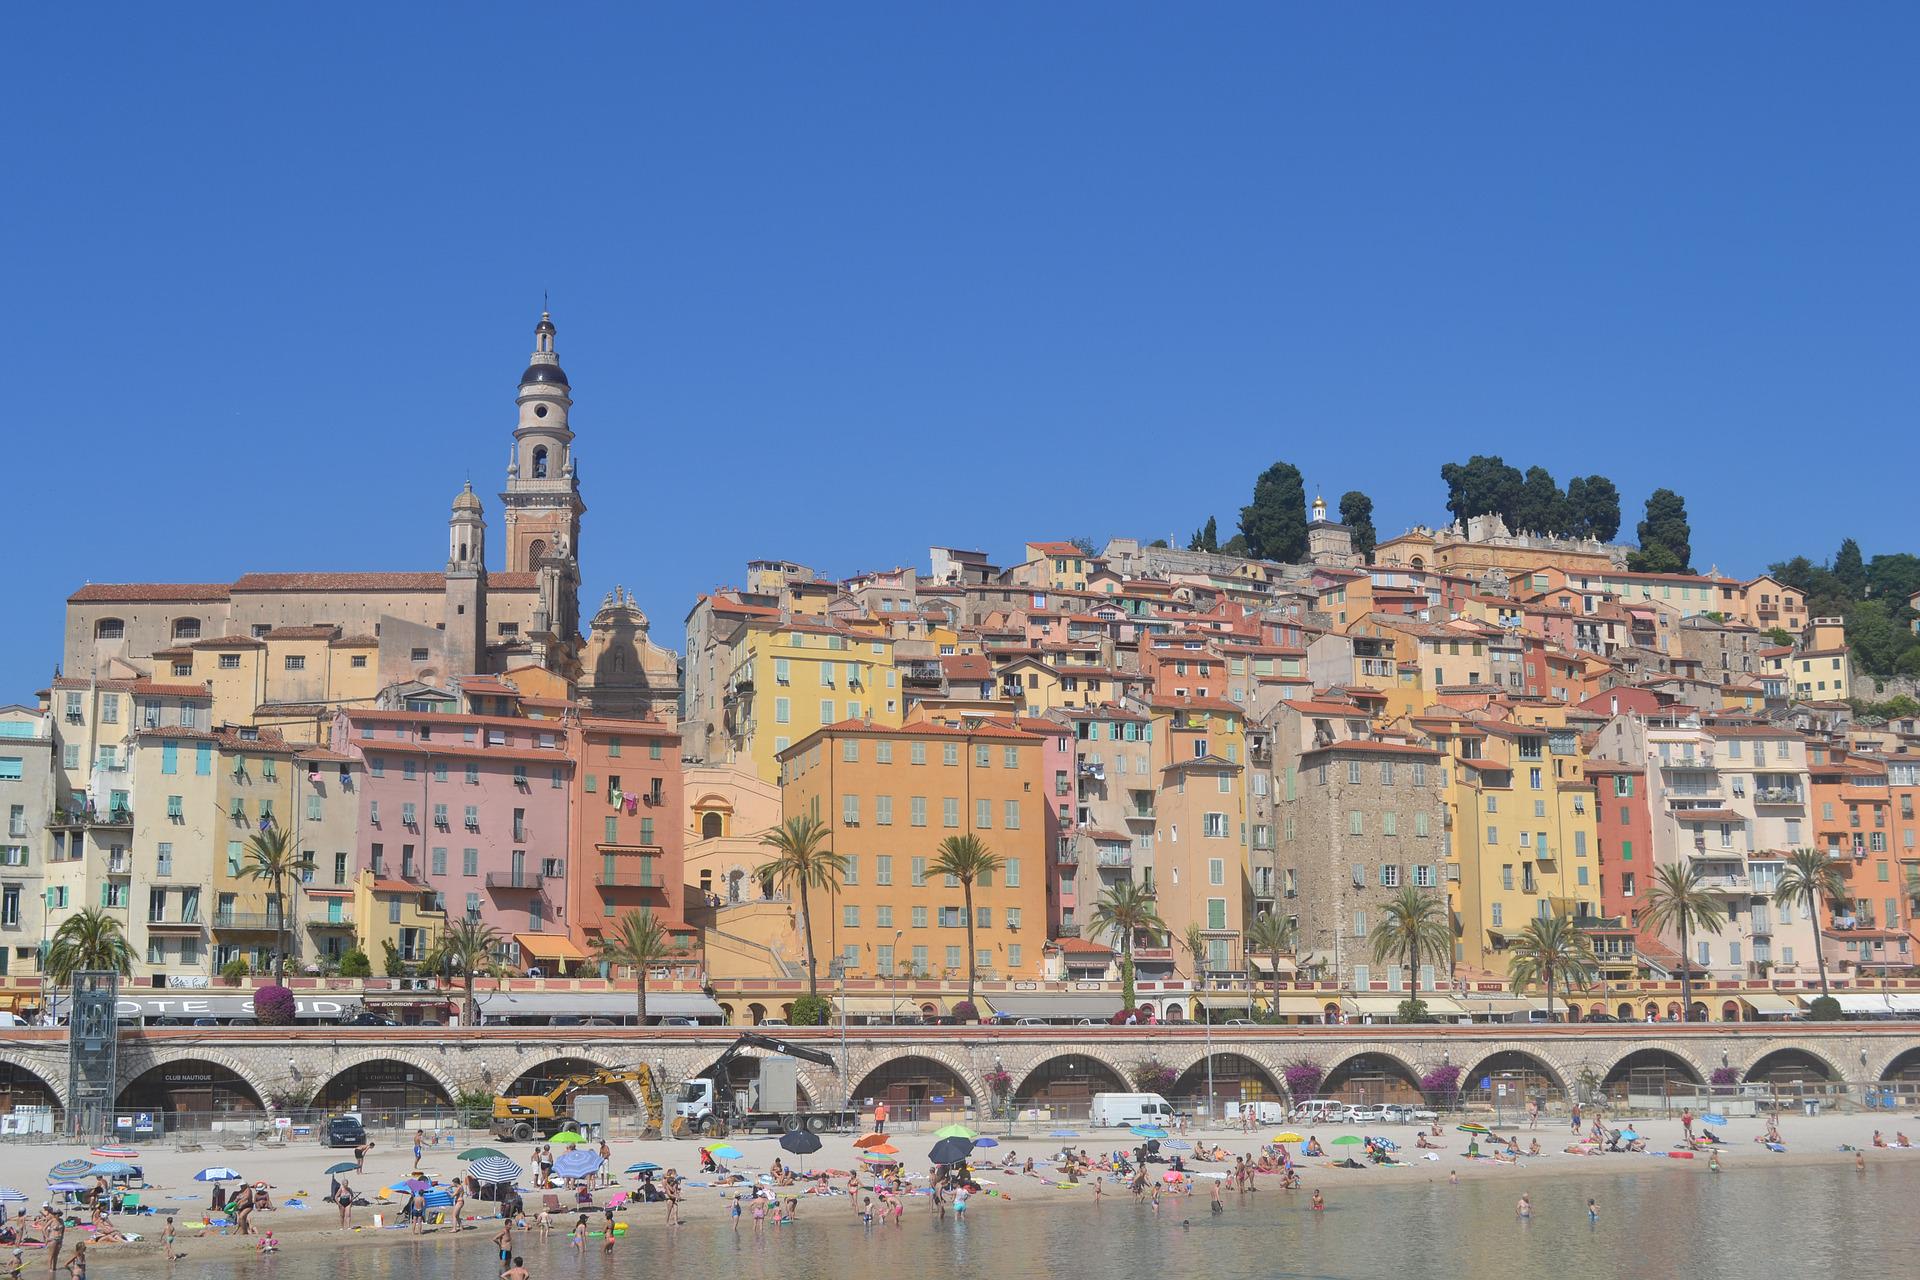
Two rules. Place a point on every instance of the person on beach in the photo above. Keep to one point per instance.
(1593, 1211)
(517, 1271)
(1686, 1124)
(1453, 1177)
(1533, 1114)
(1713, 1162)
(580, 1236)
(1524, 1208)
(1860, 1161)
(880, 1117)
(77, 1264)
(267, 1243)
(1319, 1202)
(503, 1241)
(1878, 1140)
(1576, 1119)
(459, 1206)
(360, 1156)
(419, 1145)
(1218, 1205)
(672, 1185)
(167, 1240)
(343, 1198)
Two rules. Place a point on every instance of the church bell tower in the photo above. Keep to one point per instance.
(542, 497)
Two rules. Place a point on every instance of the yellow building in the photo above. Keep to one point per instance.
(791, 679)
(253, 789)
(1524, 843)
(394, 911)
(1198, 870)
(287, 679)
(890, 796)
(1820, 674)
(1062, 566)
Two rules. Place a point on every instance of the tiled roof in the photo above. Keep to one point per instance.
(228, 642)
(1082, 946)
(1369, 746)
(149, 592)
(156, 688)
(321, 631)
(368, 582)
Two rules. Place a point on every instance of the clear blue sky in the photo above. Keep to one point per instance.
(835, 282)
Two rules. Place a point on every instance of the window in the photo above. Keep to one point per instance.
(439, 815)
(1498, 916)
(850, 750)
(296, 662)
(1389, 876)
(1010, 815)
(1389, 823)
(1356, 822)
(1420, 827)
(950, 753)
(850, 810)
(883, 811)
(1214, 826)
(917, 867)
(439, 860)
(782, 711)
(1216, 871)
(916, 753)
(1010, 757)
(469, 862)
(949, 812)
(983, 814)
(1423, 877)
(883, 752)
(850, 916)
(473, 776)
(1353, 772)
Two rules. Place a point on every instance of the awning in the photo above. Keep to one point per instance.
(1444, 1007)
(1904, 1004)
(1065, 1005)
(1769, 1005)
(906, 1004)
(1376, 1005)
(531, 1005)
(1851, 1002)
(1300, 1006)
(200, 1003)
(549, 946)
(1226, 999)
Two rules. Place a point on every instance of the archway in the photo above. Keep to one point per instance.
(1625, 1012)
(1511, 1077)
(1789, 1067)
(1697, 1011)
(710, 825)
(20, 1087)
(726, 1014)
(1372, 1077)
(1730, 1011)
(190, 1085)
(383, 1091)
(756, 1013)
(1650, 1073)
(1235, 1079)
(913, 1087)
(543, 1076)
(1904, 1069)
(1070, 1080)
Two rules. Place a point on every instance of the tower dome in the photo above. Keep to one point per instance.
(467, 499)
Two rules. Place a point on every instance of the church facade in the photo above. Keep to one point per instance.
(415, 626)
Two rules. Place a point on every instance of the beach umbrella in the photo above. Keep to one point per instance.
(1709, 1118)
(112, 1168)
(950, 1151)
(1288, 1136)
(1147, 1131)
(1062, 1133)
(218, 1173)
(986, 1142)
(1473, 1128)
(10, 1196)
(566, 1138)
(494, 1169)
(1172, 1176)
(411, 1185)
(440, 1198)
(1628, 1135)
(1345, 1140)
(799, 1142)
(577, 1164)
(862, 1142)
(645, 1166)
(73, 1169)
(954, 1131)
(479, 1153)
(345, 1166)
(722, 1151)
(65, 1186)
(115, 1153)
(888, 1149)
(1174, 1144)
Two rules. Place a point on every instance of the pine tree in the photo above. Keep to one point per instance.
(1275, 522)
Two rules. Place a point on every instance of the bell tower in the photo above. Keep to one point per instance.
(542, 497)
(465, 620)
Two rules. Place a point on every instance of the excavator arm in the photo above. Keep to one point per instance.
(754, 1040)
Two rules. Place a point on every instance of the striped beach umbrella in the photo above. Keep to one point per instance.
(114, 1153)
(10, 1196)
(494, 1169)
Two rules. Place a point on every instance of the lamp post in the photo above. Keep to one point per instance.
(893, 1006)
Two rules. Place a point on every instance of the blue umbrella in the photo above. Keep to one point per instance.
(986, 1142)
(437, 1199)
(1063, 1133)
(577, 1164)
(65, 1186)
(1711, 1118)
(494, 1169)
(71, 1169)
(1628, 1135)
(1174, 1144)
(1147, 1131)
(112, 1168)
(643, 1166)
(724, 1153)
(219, 1173)
(950, 1151)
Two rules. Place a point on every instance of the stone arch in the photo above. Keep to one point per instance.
(1529, 1071)
(1236, 1078)
(387, 1083)
(756, 1013)
(1729, 1011)
(138, 1063)
(24, 1086)
(192, 1083)
(1790, 1064)
(547, 1070)
(1372, 1075)
(1652, 1070)
(1069, 1078)
(1904, 1065)
(914, 1084)
(1625, 1012)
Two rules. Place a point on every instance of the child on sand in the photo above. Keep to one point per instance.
(267, 1243)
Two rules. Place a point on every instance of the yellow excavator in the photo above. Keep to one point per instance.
(541, 1115)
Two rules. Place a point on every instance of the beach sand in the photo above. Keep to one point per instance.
(294, 1173)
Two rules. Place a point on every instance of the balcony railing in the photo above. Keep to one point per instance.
(1139, 813)
(515, 880)
(1778, 795)
(246, 921)
(1116, 857)
(628, 873)
(1067, 857)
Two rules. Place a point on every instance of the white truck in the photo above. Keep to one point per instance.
(754, 1093)
(1262, 1112)
(1123, 1110)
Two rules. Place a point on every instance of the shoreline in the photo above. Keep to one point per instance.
(1812, 1142)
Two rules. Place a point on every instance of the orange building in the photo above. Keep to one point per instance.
(628, 832)
(1853, 820)
(889, 797)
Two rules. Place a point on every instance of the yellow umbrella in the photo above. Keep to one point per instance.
(1288, 1137)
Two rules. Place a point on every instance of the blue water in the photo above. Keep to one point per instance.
(1768, 1222)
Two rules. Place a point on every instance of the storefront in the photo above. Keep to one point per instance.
(382, 1090)
(189, 1086)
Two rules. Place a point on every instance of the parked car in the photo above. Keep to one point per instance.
(367, 1018)
(1365, 1113)
(678, 1022)
(1400, 1113)
(1599, 1017)
(343, 1131)
(1238, 1022)
(1318, 1110)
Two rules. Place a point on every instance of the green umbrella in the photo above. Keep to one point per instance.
(955, 1131)
(1346, 1140)
(566, 1139)
(345, 1166)
(479, 1153)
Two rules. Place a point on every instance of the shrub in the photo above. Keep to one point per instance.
(811, 1011)
(354, 964)
(1154, 1077)
(274, 1006)
(966, 1011)
(999, 1081)
(390, 957)
(1824, 1009)
(234, 970)
(1441, 1085)
(1303, 1078)
(475, 1107)
(1413, 1009)
(1724, 1078)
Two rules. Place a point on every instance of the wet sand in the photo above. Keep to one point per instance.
(294, 1173)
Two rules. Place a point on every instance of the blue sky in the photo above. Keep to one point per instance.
(835, 282)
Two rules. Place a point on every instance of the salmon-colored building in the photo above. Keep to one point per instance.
(628, 832)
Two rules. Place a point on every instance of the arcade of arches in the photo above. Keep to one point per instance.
(544, 1076)
(382, 1087)
(911, 1086)
(1373, 1078)
(1650, 1073)
(1069, 1080)
(1235, 1079)
(189, 1085)
(20, 1088)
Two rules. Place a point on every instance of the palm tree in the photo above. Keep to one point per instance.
(1677, 900)
(966, 859)
(469, 945)
(1810, 877)
(1196, 945)
(1412, 923)
(1272, 934)
(640, 941)
(802, 859)
(1549, 947)
(272, 856)
(89, 940)
(1123, 911)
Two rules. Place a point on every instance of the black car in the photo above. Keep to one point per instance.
(343, 1131)
(1599, 1017)
(367, 1018)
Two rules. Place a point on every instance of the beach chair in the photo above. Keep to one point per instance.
(551, 1203)
(130, 1203)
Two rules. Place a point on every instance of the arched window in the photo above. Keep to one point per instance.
(536, 550)
(540, 462)
(109, 629)
(709, 826)
(186, 628)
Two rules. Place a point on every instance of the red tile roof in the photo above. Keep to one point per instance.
(429, 581)
(320, 631)
(1082, 946)
(155, 688)
(149, 592)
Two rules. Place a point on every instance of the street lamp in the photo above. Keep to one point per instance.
(893, 1007)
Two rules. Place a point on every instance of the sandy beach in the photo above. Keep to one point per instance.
(298, 1182)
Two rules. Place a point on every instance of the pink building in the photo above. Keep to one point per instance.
(472, 808)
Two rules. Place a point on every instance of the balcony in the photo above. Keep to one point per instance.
(922, 672)
(246, 921)
(1068, 857)
(1115, 858)
(1068, 930)
(1140, 813)
(119, 864)
(531, 880)
(1703, 760)
(628, 873)
(1727, 884)
(1778, 795)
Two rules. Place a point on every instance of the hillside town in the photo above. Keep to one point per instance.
(1022, 778)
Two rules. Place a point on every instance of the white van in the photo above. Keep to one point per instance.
(1320, 1110)
(1121, 1110)
(1262, 1112)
